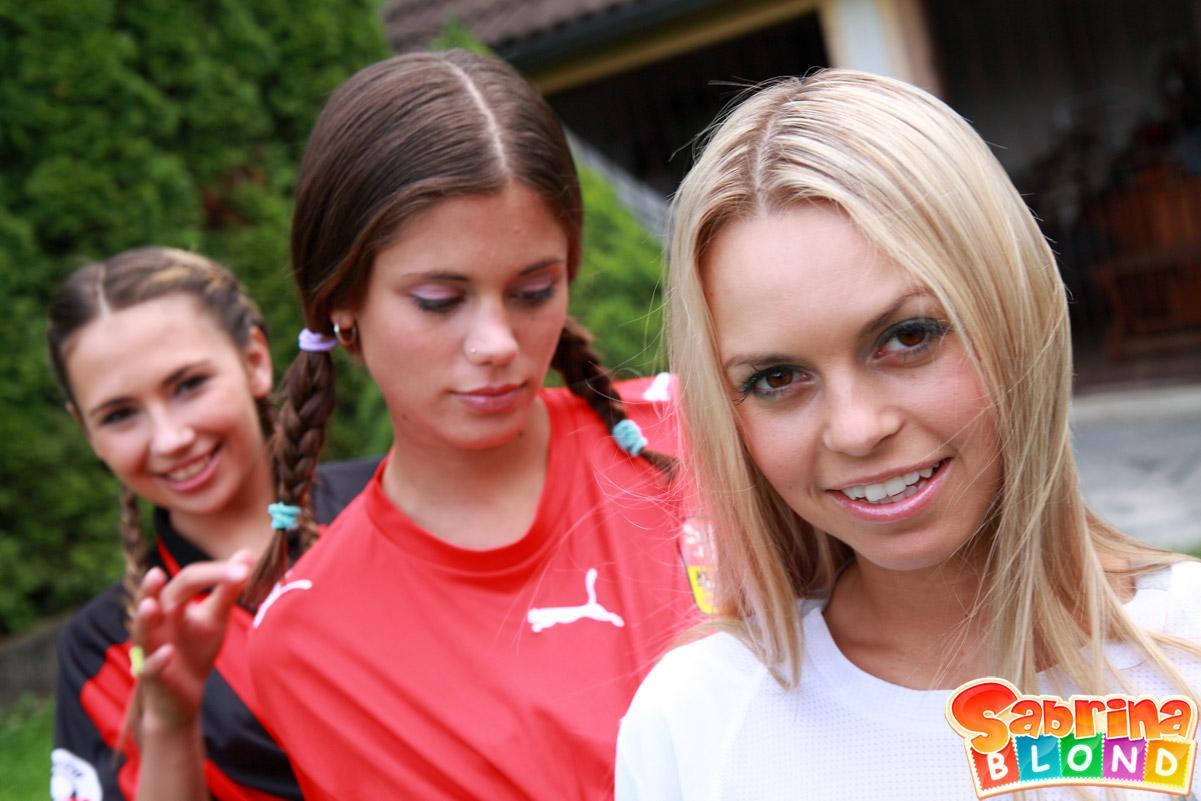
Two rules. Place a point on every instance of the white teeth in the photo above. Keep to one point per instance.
(895, 489)
(184, 473)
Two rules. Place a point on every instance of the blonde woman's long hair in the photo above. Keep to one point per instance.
(924, 189)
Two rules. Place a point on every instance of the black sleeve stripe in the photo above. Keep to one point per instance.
(83, 645)
(240, 747)
(337, 484)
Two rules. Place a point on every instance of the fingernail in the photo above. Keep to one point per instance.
(237, 571)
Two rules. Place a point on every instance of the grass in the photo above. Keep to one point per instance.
(26, 733)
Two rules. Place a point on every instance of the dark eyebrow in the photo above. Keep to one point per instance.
(875, 323)
(438, 275)
(172, 378)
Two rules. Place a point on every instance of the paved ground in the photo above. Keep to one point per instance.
(1140, 461)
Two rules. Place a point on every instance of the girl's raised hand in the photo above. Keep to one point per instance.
(181, 634)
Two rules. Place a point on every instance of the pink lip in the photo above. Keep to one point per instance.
(197, 480)
(900, 510)
(492, 399)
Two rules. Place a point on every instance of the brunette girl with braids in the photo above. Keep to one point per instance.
(475, 622)
(163, 361)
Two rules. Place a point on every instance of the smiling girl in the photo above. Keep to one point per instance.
(873, 335)
(163, 361)
(475, 622)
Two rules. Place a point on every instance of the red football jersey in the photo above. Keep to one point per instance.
(391, 664)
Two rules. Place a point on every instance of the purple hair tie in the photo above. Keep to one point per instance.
(315, 342)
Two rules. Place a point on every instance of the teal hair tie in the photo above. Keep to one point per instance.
(283, 516)
(629, 437)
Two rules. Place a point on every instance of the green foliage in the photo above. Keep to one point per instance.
(182, 123)
(26, 732)
(130, 123)
(615, 294)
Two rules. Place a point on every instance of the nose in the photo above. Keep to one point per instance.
(171, 433)
(490, 339)
(860, 417)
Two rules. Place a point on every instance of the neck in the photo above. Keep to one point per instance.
(492, 496)
(912, 628)
(241, 523)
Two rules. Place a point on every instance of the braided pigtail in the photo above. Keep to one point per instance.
(308, 402)
(135, 548)
(585, 376)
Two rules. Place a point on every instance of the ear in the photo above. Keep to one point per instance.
(257, 357)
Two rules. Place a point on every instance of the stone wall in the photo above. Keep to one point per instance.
(28, 662)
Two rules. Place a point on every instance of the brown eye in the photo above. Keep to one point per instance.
(911, 337)
(777, 378)
(777, 381)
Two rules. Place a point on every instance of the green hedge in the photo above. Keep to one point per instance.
(182, 123)
(127, 123)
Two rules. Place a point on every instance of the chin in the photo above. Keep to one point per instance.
(910, 560)
(484, 438)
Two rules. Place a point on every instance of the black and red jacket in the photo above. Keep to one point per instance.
(243, 762)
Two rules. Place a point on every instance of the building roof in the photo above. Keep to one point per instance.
(412, 23)
(525, 31)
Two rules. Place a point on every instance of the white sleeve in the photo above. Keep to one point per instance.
(1184, 614)
(672, 741)
(647, 767)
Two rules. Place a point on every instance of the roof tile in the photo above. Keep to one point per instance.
(411, 24)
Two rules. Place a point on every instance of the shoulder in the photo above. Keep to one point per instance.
(1185, 580)
(1182, 589)
(338, 483)
(91, 631)
(674, 737)
(649, 401)
(1167, 603)
(320, 578)
(652, 403)
(705, 682)
(659, 389)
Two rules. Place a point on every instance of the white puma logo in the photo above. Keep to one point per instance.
(541, 619)
(273, 596)
(659, 389)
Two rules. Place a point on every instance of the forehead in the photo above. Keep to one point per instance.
(135, 348)
(804, 270)
(477, 235)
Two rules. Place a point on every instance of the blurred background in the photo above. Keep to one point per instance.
(181, 122)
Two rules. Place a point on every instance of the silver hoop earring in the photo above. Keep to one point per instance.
(346, 336)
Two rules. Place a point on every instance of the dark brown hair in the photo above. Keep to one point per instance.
(128, 279)
(395, 139)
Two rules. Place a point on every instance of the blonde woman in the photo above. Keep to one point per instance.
(872, 335)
